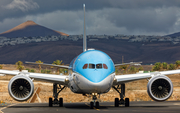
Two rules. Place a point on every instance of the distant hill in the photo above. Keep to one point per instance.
(67, 50)
(30, 28)
(174, 34)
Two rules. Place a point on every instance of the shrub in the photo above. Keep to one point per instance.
(133, 69)
(1, 66)
(177, 63)
(157, 66)
(165, 65)
(32, 70)
(19, 65)
(172, 67)
(28, 69)
(140, 68)
(45, 71)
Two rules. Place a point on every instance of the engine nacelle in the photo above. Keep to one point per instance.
(21, 88)
(160, 88)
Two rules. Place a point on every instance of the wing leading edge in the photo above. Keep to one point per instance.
(120, 79)
(131, 63)
(60, 66)
(60, 79)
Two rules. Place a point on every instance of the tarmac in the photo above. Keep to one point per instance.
(135, 107)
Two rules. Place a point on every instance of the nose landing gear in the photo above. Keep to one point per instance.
(121, 101)
(94, 103)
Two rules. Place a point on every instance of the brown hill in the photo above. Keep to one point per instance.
(30, 28)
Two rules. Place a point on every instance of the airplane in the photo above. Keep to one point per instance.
(90, 73)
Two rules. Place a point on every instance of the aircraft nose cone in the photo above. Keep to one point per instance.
(95, 76)
(88, 85)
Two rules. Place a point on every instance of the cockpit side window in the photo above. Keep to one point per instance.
(98, 66)
(92, 66)
(105, 66)
(85, 66)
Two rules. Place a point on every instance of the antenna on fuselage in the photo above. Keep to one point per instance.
(84, 35)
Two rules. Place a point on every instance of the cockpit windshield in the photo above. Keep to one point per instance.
(98, 66)
(92, 66)
(95, 66)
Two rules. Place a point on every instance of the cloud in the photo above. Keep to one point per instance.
(108, 21)
(102, 16)
(147, 20)
(23, 5)
(10, 23)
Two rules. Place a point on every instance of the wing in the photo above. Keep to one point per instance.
(119, 79)
(60, 66)
(131, 63)
(60, 79)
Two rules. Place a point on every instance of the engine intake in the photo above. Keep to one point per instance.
(160, 88)
(20, 88)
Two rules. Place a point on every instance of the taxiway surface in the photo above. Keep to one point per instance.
(135, 107)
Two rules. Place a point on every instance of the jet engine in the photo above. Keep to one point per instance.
(160, 88)
(21, 88)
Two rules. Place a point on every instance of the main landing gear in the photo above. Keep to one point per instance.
(55, 95)
(94, 103)
(121, 101)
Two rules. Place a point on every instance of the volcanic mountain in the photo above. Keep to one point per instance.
(30, 29)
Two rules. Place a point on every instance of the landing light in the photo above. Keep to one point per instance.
(66, 80)
(94, 93)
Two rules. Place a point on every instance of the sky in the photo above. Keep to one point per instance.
(110, 17)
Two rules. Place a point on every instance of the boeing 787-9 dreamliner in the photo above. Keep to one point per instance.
(92, 73)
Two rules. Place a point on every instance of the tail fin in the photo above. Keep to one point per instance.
(84, 35)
